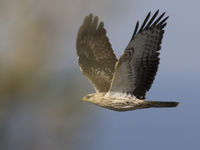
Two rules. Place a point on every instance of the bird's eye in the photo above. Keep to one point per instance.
(88, 96)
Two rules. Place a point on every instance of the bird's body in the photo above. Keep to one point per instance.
(122, 84)
(123, 102)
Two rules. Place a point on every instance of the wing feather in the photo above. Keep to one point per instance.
(95, 54)
(137, 67)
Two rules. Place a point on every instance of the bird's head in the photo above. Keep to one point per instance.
(94, 98)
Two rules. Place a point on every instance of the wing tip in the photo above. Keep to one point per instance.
(151, 23)
(135, 30)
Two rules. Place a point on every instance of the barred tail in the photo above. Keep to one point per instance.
(161, 103)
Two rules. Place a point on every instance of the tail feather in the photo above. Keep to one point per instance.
(161, 103)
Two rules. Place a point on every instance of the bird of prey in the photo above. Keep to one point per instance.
(121, 84)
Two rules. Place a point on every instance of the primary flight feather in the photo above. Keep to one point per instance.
(122, 84)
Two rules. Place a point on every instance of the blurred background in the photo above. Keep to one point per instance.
(41, 85)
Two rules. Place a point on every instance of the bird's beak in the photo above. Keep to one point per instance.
(84, 98)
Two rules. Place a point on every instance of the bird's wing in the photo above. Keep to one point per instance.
(137, 67)
(95, 54)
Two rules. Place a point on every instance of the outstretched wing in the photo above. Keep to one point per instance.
(137, 67)
(95, 54)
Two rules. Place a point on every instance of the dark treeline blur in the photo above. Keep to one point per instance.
(39, 94)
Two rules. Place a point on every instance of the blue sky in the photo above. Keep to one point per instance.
(177, 79)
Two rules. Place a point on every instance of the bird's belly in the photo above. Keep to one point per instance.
(122, 104)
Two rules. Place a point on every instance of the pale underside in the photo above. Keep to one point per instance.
(123, 102)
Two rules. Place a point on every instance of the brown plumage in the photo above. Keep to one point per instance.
(96, 57)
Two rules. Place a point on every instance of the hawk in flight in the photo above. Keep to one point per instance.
(121, 84)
